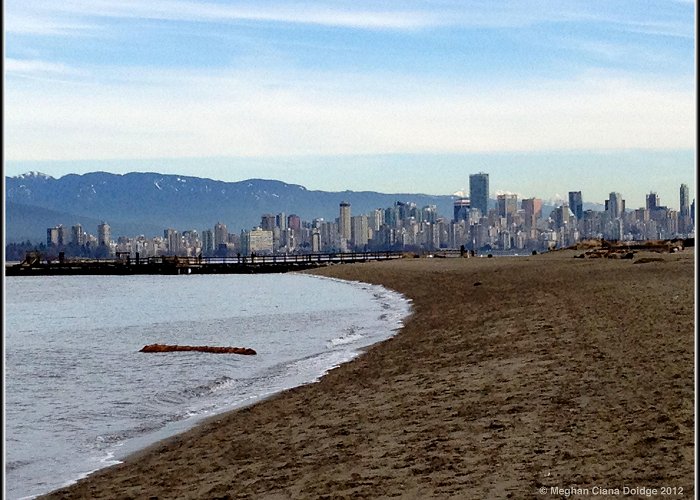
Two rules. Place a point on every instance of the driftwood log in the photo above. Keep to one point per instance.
(201, 348)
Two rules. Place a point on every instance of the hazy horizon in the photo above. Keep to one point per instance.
(413, 96)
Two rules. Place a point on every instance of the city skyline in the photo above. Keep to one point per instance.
(404, 226)
(547, 182)
(346, 95)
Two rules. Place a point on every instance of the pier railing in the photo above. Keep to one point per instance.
(126, 264)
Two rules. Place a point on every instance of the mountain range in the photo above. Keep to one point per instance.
(146, 203)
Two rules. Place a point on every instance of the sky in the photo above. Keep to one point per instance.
(409, 96)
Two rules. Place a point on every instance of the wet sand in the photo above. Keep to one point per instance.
(513, 374)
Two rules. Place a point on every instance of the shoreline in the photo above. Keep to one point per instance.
(338, 350)
(419, 414)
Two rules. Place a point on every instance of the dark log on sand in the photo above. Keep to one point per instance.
(200, 348)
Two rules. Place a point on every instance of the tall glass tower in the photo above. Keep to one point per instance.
(479, 192)
(576, 204)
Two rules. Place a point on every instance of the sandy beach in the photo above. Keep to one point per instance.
(513, 377)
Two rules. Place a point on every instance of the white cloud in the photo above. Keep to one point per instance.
(246, 115)
(73, 16)
(37, 66)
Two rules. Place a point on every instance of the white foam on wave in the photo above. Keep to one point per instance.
(350, 338)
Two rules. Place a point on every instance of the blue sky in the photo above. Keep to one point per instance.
(547, 96)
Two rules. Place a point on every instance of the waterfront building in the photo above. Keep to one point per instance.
(576, 204)
(479, 191)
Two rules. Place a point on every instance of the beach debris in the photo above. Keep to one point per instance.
(202, 348)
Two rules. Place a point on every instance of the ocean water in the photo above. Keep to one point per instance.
(80, 396)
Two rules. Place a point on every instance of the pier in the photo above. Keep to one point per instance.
(34, 265)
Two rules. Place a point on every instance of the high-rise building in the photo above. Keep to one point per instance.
(461, 209)
(562, 216)
(429, 213)
(268, 222)
(344, 221)
(220, 235)
(77, 235)
(294, 222)
(576, 204)
(52, 236)
(104, 234)
(615, 205)
(360, 231)
(281, 220)
(533, 210)
(479, 192)
(315, 241)
(257, 241)
(653, 201)
(172, 240)
(692, 213)
(507, 204)
(208, 242)
(376, 219)
(684, 212)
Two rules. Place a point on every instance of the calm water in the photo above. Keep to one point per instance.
(79, 395)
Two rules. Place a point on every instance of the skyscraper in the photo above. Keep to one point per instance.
(52, 236)
(104, 234)
(268, 222)
(78, 235)
(653, 201)
(461, 209)
(360, 231)
(207, 242)
(533, 210)
(576, 204)
(507, 204)
(479, 192)
(172, 239)
(294, 222)
(684, 213)
(344, 222)
(615, 205)
(220, 235)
